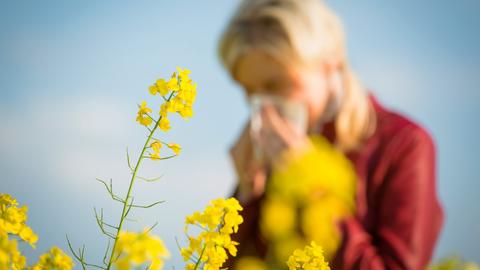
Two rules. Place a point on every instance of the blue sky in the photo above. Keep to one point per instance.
(71, 74)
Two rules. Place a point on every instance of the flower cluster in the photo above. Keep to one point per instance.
(10, 256)
(13, 223)
(156, 145)
(208, 250)
(310, 258)
(54, 259)
(134, 249)
(13, 218)
(12, 227)
(179, 94)
(295, 213)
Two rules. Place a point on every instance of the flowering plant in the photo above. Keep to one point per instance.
(323, 192)
(208, 247)
(13, 228)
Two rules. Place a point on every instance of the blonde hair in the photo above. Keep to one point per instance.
(302, 32)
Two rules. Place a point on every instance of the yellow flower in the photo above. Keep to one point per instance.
(250, 263)
(135, 249)
(176, 105)
(7, 200)
(186, 112)
(183, 73)
(27, 235)
(210, 246)
(283, 249)
(175, 148)
(307, 193)
(188, 92)
(162, 87)
(309, 258)
(142, 116)
(10, 256)
(54, 259)
(172, 84)
(278, 218)
(164, 124)
(155, 146)
(153, 89)
(13, 220)
(164, 109)
(180, 101)
(317, 219)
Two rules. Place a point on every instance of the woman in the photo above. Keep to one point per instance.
(295, 49)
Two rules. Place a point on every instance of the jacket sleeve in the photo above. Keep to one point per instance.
(408, 216)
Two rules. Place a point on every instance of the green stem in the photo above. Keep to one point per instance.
(132, 181)
(199, 258)
(126, 202)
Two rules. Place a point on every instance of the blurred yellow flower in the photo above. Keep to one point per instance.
(250, 263)
(10, 256)
(278, 217)
(12, 223)
(55, 259)
(307, 193)
(135, 249)
(13, 219)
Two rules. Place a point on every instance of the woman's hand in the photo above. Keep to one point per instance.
(278, 134)
(251, 171)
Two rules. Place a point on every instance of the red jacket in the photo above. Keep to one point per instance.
(398, 216)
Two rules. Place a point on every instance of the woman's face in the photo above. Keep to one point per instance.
(258, 72)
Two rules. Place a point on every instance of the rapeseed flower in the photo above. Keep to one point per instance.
(175, 148)
(10, 256)
(310, 258)
(210, 248)
(13, 223)
(155, 146)
(55, 259)
(306, 194)
(142, 116)
(13, 220)
(135, 249)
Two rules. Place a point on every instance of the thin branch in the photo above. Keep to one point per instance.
(109, 188)
(75, 254)
(145, 206)
(149, 179)
(106, 253)
(81, 256)
(100, 223)
(162, 158)
(128, 161)
(151, 228)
